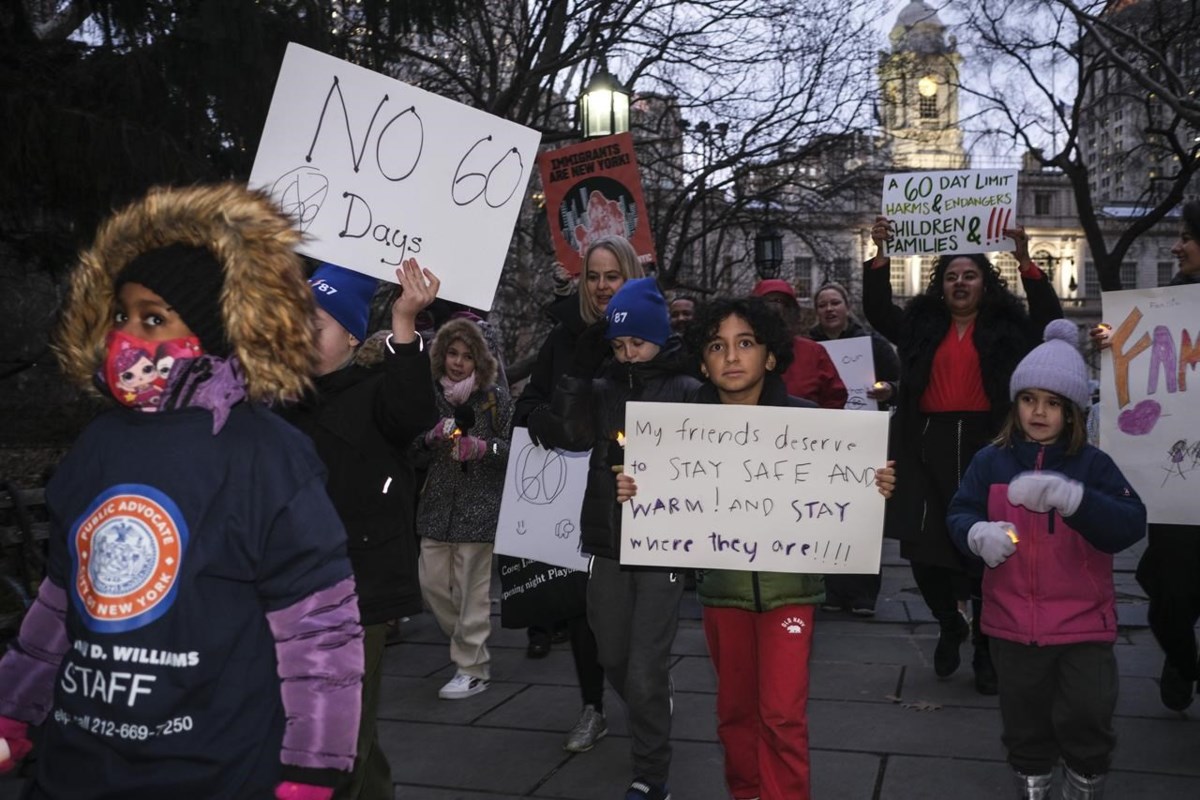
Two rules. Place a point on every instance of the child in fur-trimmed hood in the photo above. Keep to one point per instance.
(460, 507)
(197, 633)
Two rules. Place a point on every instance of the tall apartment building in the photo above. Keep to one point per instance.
(1120, 137)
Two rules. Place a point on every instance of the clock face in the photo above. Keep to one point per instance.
(927, 86)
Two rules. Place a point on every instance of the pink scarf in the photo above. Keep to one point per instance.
(457, 392)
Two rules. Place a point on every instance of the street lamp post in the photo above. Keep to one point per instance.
(603, 106)
(710, 137)
(768, 252)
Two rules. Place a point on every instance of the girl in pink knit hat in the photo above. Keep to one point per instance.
(1046, 511)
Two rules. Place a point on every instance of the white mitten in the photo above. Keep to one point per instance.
(1042, 491)
(991, 542)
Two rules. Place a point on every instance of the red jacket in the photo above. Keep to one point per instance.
(813, 376)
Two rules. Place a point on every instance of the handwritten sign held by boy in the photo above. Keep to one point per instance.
(755, 488)
(959, 211)
(375, 171)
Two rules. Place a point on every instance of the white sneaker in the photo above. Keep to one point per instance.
(461, 686)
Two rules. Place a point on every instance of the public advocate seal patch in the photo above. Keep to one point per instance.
(127, 549)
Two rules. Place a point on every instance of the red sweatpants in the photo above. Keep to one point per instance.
(761, 661)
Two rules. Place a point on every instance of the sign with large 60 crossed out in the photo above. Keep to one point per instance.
(375, 171)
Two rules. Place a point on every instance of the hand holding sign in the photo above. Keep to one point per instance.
(418, 288)
(881, 233)
(626, 487)
(1021, 238)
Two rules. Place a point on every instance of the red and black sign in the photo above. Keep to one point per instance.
(593, 189)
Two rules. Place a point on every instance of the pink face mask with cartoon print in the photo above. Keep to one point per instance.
(136, 370)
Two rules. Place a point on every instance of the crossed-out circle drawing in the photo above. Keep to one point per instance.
(301, 193)
(541, 475)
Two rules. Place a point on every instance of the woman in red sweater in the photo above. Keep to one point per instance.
(959, 343)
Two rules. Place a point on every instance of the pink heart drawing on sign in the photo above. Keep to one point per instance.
(1139, 420)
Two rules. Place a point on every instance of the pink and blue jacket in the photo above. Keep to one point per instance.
(1057, 588)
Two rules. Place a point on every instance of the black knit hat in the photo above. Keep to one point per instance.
(189, 279)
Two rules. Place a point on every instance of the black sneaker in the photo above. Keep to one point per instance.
(985, 672)
(945, 656)
(1174, 689)
(642, 789)
(539, 643)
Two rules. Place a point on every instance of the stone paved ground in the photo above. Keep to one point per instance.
(870, 738)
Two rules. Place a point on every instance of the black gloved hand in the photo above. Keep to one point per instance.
(538, 426)
(591, 349)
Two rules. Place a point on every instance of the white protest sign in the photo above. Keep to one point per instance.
(958, 211)
(539, 511)
(375, 171)
(753, 487)
(855, 362)
(1150, 397)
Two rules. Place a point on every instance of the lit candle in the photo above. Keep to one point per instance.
(621, 438)
(455, 433)
(880, 385)
(1012, 534)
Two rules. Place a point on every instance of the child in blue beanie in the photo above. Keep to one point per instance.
(1046, 511)
(633, 611)
(370, 397)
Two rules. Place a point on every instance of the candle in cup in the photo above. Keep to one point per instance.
(619, 468)
(1012, 534)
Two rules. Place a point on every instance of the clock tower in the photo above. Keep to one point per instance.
(919, 78)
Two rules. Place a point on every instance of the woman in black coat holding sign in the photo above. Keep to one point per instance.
(607, 264)
(959, 343)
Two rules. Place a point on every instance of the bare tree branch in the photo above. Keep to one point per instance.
(1056, 68)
